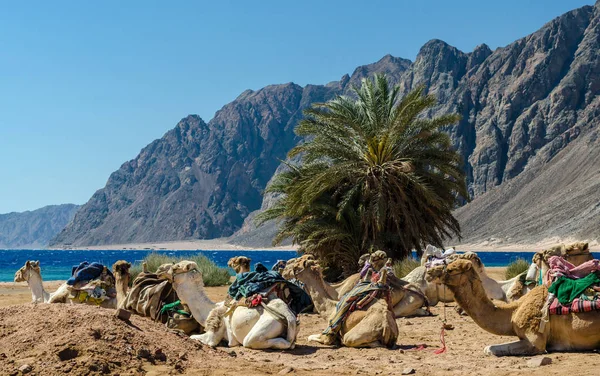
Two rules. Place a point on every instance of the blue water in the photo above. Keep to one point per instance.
(56, 265)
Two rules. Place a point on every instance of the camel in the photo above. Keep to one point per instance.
(407, 300)
(122, 278)
(576, 253)
(239, 264)
(257, 328)
(374, 326)
(32, 274)
(522, 318)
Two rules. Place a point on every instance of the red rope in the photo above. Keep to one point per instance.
(443, 341)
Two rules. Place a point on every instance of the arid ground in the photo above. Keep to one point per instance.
(76, 340)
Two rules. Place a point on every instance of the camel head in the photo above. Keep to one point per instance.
(23, 274)
(543, 256)
(475, 260)
(297, 267)
(239, 264)
(378, 259)
(453, 274)
(180, 272)
(362, 260)
(121, 271)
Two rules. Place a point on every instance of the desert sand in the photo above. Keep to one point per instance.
(91, 341)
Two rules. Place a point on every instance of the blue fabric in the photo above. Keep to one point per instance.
(260, 268)
(86, 272)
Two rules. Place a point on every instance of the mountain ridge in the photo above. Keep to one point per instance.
(521, 105)
(33, 229)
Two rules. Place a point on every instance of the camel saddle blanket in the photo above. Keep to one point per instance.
(578, 305)
(360, 296)
(148, 295)
(248, 284)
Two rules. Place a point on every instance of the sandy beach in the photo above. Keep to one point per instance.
(33, 335)
(222, 244)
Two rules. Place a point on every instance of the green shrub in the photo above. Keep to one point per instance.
(516, 267)
(402, 268)
(211, 273)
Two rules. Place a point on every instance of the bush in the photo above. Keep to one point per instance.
(516, 267)
(402, 268)
(211, 273)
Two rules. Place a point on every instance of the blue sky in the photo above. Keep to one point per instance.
(85, 85)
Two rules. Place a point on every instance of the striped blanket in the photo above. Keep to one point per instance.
(576, 306)
(360, 296)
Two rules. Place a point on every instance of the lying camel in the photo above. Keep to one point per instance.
(375, 326)
(257, 328)
(407, 299)
(32, 274)
(522, 318)
(576, 253)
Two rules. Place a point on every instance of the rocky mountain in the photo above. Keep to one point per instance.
(33, 229)
(525, 107)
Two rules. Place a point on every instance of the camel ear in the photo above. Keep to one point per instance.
(585, 246)
(28, 263)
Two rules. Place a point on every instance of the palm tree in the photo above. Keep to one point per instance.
(374, 174)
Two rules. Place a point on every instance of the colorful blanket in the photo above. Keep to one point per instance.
(578, 305)
(561, 267)
(566, 289)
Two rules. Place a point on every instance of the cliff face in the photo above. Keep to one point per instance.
(33, 229)
(522, 105)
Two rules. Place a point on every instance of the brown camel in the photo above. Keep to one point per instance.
(374, 326)
(407, 300)
(522, 318)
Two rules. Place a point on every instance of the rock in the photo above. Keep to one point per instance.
(285, 371)
(408, 323)
(123, 314)
(408, 371)
(539, 361)
(25, 368)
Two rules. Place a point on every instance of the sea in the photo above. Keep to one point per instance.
(57, 264)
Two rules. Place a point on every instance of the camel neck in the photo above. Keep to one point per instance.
(322, 300)
(472, 297)
(121, 286)
(36, 285)
(192, 293)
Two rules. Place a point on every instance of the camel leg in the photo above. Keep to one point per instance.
(410, 306)
(60, 295)
(521, 347)
(266, 334)
(362, 336)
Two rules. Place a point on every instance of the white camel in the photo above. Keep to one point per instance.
(272, 325)
(32, 274)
